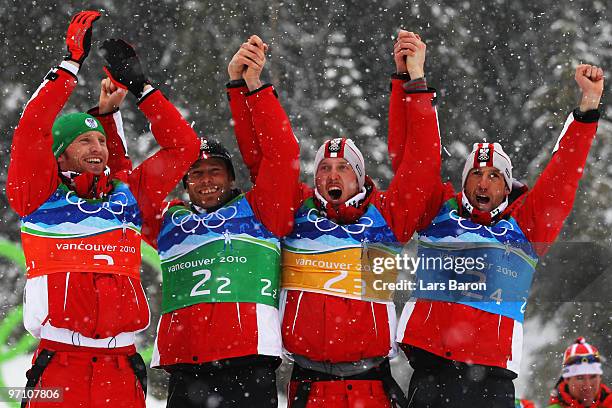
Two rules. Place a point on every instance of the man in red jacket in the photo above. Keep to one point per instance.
(219, 333)
(337, 328)
(465, 345)
(580, 384)
(81, 226)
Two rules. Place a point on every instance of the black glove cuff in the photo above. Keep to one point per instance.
(589, 116)
(136, 87)
(404, 76)
(236, 83)
(261, 88)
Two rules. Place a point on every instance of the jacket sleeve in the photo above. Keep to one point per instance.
(112, 122)
(33, 172)
(244, 130)
(397, 121)
(276, 192)
(547, 205)
(416, 191)
(157, 176)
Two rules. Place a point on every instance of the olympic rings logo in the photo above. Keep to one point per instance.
(503, 224)
(353, 229)
(182, 217)
(115, 205)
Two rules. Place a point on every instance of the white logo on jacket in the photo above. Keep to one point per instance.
(503, 224)
(211, 220)
(118, 200)
(313, 217)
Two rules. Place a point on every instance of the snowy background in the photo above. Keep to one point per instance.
(503, 69)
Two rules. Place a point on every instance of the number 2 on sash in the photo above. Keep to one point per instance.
(361, 288)
(482, 278)
(196, 289)
(330, 282)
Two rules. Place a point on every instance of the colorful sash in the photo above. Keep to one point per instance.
(71, 234)
(486, 267)
(324, 257)
(223, 256)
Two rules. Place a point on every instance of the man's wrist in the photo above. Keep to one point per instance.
(253, 84)
(589, 102)
(416, 73)
(234, 77)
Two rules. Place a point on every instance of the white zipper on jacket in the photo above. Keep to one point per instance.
(238, 312)
(374, 318)
(171, 319)
(135, 294)
(297, 310)
(429, 312)
(66, 289)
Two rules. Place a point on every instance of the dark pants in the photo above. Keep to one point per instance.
(441, 383)
(239, 382)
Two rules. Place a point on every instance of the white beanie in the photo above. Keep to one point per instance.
(488, 155)
(344, 149)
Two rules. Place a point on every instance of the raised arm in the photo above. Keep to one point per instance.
(274, 196)
(548, 204)
(157, 176)
(409, 57)
(275, 193)
(243, 127)
(107, 112)
(237, 91)
(416, 191)
(33, 172)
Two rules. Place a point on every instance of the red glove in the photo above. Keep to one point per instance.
(78, 37)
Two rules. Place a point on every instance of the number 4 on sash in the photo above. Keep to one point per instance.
(497, 296)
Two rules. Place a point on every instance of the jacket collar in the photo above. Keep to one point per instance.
(88, 185)
(350, 211)
(467, 210)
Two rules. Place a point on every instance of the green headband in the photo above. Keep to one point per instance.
(68, 127)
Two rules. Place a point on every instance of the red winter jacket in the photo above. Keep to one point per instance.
(523, 403)
(561, 398)
(463, 333)
(208, 332)
(330, 328)
(90, 305)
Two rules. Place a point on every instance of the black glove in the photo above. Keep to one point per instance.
(124, 67)
(78, 37)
